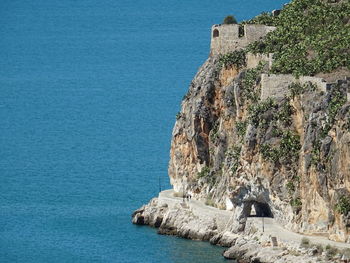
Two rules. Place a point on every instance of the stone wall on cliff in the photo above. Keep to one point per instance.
(289, 153)
(229, 37)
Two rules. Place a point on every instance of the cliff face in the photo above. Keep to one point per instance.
(287, 157)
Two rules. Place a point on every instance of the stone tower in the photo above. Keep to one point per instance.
(227, 38)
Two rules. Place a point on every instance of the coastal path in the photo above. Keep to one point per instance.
(271, 227)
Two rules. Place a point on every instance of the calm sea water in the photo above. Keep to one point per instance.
(89, 94)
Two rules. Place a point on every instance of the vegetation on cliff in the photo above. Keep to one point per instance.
(236, 59)
(312, 36)
(240, 140)
(230, 19)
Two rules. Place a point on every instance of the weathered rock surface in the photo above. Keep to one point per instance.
(286, 157)
(251, 245)
(178, 219)
(255, 144)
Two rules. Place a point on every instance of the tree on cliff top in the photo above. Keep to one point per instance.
(230, 20)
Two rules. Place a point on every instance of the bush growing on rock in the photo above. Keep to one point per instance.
(291, 187)
(236, 58)
(285, 113)
(204, 172)
(230, 19)
(256, 111)
(343, 205)
(269, 153)
(241, 127)
(214, 133)
(338, 99)
(296, 202)
(249, 81)
(290, 146)
(296, 89)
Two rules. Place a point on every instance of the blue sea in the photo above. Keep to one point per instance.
(89, 94)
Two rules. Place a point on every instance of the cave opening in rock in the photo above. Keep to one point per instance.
(256, 209)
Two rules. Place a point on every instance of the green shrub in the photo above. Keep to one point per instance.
(276, 132)
(291, 187)
(236, 58)
(230, 19)
(241, 128)
(204, 172)
(257, 110)
(249, 82)
(285, 113)
(338, 99)
(214, 132)
(316, 152)
(343, 205)
(269, 153)
(296, 88)
(312, 36)
(290, 146)
(296, 202)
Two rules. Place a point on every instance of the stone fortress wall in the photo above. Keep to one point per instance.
(276, 86)
(227, 38)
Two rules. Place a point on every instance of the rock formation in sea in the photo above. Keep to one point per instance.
(256, 136)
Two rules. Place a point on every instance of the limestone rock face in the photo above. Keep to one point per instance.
(287, 157)
(179, 220)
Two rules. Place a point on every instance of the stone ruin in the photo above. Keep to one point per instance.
(276, 85)
(226, 38)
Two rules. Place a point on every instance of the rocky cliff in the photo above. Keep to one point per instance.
(286, 157)
(255, 137)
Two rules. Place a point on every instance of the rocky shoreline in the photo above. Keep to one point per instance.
(194, 220)
(260, 137)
